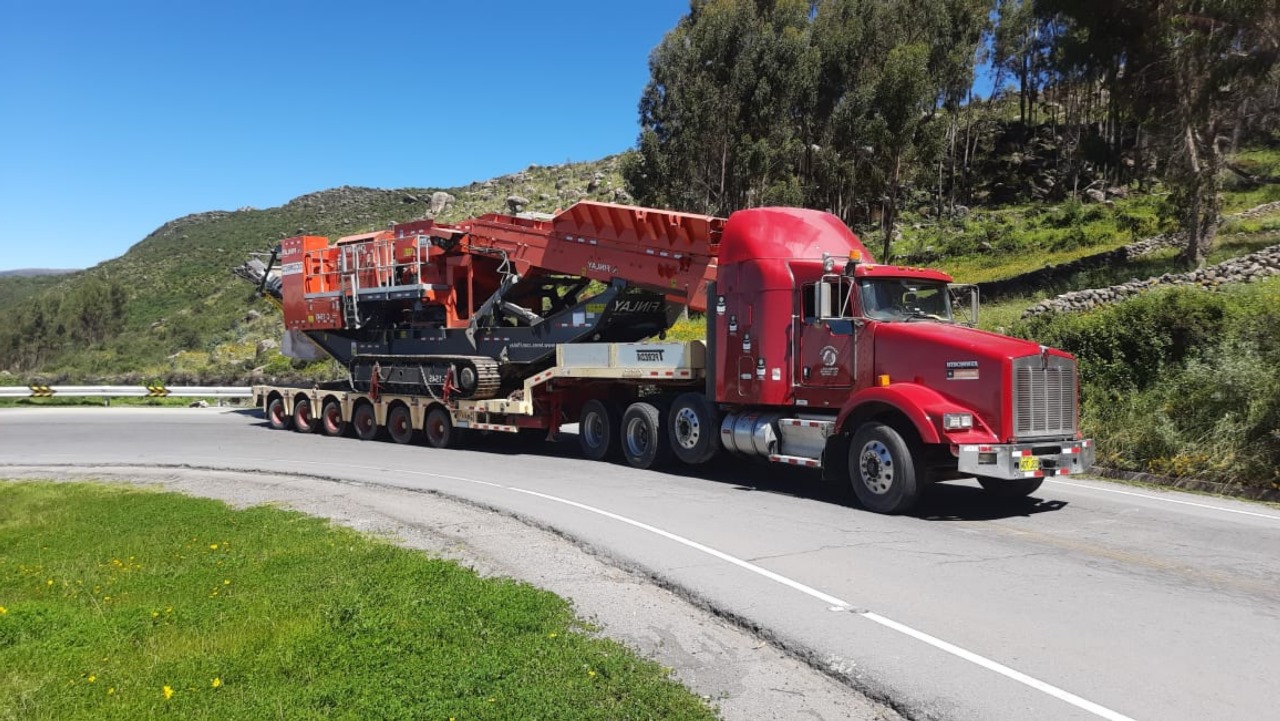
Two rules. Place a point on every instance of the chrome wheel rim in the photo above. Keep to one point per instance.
(875, 467)
(688, 430)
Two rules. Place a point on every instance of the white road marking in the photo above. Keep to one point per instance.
(1152, 497)
(832, 602)
(999, 668)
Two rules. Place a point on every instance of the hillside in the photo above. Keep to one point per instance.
(35, 272)
(170, 309)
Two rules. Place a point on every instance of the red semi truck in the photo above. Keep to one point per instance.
(814, 354)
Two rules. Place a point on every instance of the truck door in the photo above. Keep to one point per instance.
(825, 335)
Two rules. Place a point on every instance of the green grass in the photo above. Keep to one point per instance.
(118, 603)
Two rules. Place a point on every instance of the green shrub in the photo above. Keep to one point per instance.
(1181, 382)
(1129, 345)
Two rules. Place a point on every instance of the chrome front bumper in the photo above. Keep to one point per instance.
(1011, 461)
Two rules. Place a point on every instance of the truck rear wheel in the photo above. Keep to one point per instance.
(882, 469)
(303, 421)
(644, 436)
(1015, 488)
(331, 419)
(365, 422)
(400, 424)
(598, 430)
(693, 428)
(276, 417)
(440, 430)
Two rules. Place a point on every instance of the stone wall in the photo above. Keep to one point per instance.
(1244, 269)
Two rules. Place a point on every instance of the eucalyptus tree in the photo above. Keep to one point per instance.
(1184, 69)
(729, 88)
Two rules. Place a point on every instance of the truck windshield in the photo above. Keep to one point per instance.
(904, 299)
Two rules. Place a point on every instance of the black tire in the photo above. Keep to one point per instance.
(276, 417)
(303, 421)
(365, 422)
(598, 430)
(400, 424)
(883, 470)
(439, 429)
(331, 419)
(644, 435)
(1015, 488)
(693, 429)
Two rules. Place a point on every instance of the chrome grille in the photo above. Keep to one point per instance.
(1044, 397)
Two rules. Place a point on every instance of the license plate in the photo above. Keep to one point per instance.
(1028, 463)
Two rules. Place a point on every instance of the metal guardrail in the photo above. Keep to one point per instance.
(150, 391)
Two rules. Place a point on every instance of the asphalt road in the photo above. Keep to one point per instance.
(1087, 600)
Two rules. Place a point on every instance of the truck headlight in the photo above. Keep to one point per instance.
(957, 421)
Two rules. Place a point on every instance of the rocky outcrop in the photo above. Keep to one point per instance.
(441, 201)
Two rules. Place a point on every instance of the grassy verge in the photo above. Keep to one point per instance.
(117, 603)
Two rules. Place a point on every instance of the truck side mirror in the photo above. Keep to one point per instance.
(964, 303)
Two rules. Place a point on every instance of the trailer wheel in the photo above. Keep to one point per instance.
(644, 436)
(598, 430)
(276, 416)
(331, 419)
(694, 428)
(400, 424)
(440, 430)
(303, 421)
(882, 470)
(1015, 488)
(365, 422)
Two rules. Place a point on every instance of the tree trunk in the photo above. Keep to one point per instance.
(1193, 254)
(891, 213)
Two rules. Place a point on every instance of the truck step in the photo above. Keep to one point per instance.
(795, 461)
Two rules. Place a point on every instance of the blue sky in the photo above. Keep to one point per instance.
(117, 116)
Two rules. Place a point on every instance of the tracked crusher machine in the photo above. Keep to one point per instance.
(472, 309)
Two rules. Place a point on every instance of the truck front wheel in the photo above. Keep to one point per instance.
(1015, 488)
(882, 470)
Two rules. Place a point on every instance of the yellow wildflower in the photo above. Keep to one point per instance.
(213, 546)
(553, 634)
(111, 691)
(3, 610)
(168, 693)
(592, 674)
(92, 678)
(216, 682)
(226, 582)
(49, 582)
